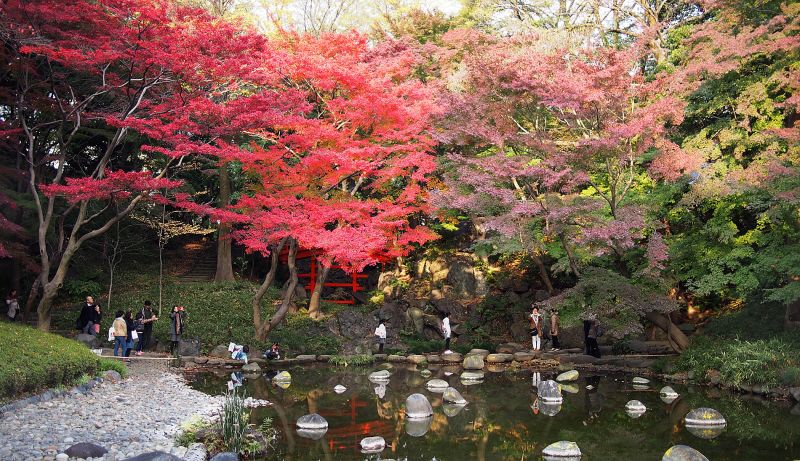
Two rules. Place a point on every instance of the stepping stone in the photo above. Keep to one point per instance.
(85, 450)
(417, 359)
(524, 356)
(635, 408)
(639, 380)
(372, 444)
(396, 358)
(472, 376)
(704, 417)
(438, 384)
(481, 352)
(451, 395)
(570, 375)
(453, 357)
(473, 362)
(683, 453)
(499, 358)
(418, 406)
(312, 421)
(562, 449)
(282, 377)
(382, 375)
(434, 358)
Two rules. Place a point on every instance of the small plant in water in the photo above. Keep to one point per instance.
(233, 420)
(352, 360)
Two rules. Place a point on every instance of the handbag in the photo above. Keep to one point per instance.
(134, 335)
(111, 334)
(534, 331)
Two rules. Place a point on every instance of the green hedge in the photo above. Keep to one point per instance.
(31, 360)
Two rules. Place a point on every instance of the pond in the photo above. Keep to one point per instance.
(504, 419)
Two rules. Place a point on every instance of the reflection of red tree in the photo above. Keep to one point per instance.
(348, 437)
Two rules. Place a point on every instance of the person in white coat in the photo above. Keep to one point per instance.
(446, 331)
(380, 332)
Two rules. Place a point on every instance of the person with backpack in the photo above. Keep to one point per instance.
(144, 327)
(536, 329)
(380, 332)
(120, 334)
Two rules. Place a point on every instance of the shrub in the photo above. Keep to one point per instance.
(113, 364)
(352, 360)
(31, 360)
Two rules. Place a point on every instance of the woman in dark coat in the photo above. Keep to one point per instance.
(177, 320)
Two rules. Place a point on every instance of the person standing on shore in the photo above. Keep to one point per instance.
(380, 332)
(446, 331)
(592, 348)
(90, 315)
(176, 328)
(12, 304)
(146, 319)
(536, 329)
(131, 327)
(554, 324)
(120, 334)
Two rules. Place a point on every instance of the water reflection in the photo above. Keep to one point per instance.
(505, 419)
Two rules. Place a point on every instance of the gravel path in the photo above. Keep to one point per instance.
(140, 414)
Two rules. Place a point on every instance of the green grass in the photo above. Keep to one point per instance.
(219, 313)
(352, 360)
(31, 361)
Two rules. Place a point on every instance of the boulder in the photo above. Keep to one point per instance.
(481, 352)
(312, 421)
(425, 373)
(473, 362)
(549, 391)
(562, 449)
(251, 367)
(461, 277)
(372, 444)
(452, 357)
(220, 351)
(154, 456)
(418, 406)
(110, 376)
(640, 380)
(795, 391)
(439, 384)
(325, 358)
(434, 358)
(682, 453)
(85, 450)
(635, 406)
(214, 362)
(396, 358)
(524, 356)
(307, 358)
(416, 359)
(499, 358)
(508, 348)
(704, 417)
(191, 348)
(339, 389)
(571, 375)
(201, 360)
(282, 377)
(89, 341)
(451, 395)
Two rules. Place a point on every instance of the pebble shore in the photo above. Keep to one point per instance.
(140, 414)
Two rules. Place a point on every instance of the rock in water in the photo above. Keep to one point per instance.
(339, 389)
(312, 421)
(452, 409)
(437, 384)
(471, 376)
(425, 373)
(372, 444)
(570, 388)
(251, 367)
(313, 434)
(683, 453)
(706, 432)
(481, 352)
(155, 456)
(703, 417)
(382, 375)
(549, 391)
(453, 396)
(562, 449)
(638, 380)
(473, 362)
(418, 406)
(570, 375)
(85, 450)
(417, 427)
(668, 394)
(282, 377)
(635, 408)
(549, 409)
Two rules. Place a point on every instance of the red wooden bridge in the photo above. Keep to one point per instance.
(310, 278)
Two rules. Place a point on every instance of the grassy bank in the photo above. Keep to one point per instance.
(218, 313)
(747, 347)
(32, 361)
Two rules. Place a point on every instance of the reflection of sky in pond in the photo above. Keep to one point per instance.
(505, 419)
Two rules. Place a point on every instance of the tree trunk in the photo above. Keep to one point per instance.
(45, 304)
(32, 296)
(287, 297)
(542, 272)
(261, 331)
(573, 264)
(316, 296)
(224, 259)
(675, 336)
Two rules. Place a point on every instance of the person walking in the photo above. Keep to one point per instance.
(120, 334)
(176, 328)
(12, 305)
(554, 324)
(446, 331)
(536, 329)
(592, 348)
(380, 332)
(145, 317)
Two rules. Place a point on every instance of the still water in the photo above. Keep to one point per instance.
(504, 419)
